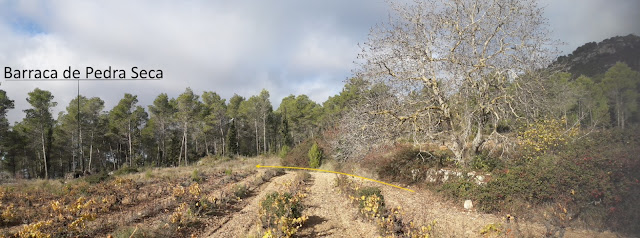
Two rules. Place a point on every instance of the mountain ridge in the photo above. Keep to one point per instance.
(594, 59)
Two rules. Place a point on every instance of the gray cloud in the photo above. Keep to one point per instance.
(285, 46)
(577, 22)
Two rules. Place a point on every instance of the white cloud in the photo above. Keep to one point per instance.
(285, 46)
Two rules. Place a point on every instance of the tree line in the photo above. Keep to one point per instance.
(169, 132)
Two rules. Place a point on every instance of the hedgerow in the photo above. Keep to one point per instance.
(595, 180)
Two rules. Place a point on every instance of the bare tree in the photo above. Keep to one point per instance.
(358, 131)
(454, 67)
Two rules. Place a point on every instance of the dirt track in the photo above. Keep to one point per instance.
(330, 214)
(243, 222)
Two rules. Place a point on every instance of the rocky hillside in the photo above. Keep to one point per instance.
(593, 59)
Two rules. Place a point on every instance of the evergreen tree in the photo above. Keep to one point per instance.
(5, 105)
(39, 122)
(232, 139)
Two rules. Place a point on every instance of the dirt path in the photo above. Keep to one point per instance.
(243, 222)
(331, 214)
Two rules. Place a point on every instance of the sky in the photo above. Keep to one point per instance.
(284, 46)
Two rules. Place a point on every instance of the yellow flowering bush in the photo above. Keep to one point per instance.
(36, 230)
(281, 214)
(8, 215)
(182, 215)
(178, 191)
(544, 135)
(77, 213)
(194, 189)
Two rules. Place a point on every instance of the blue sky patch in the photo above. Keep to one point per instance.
(25, 26)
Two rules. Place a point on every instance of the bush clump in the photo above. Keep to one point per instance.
(405, 163)
(240, 190)
(281, 214)
(486, 163)
(371, 201)
(125, 170)
(298, 156)
(195, 176)
(97, 178)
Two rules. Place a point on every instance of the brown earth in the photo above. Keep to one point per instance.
(330, 213)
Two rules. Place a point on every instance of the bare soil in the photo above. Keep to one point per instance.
(331, 214)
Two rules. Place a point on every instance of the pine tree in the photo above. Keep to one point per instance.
(284, 132)
(232, 140)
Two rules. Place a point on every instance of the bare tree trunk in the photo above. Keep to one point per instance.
(164, 147)
(130, 158)
(181, 147)
(478, 140)
(130, 144)
(186, 161)
(255, 122)
(264, 133)
(223, 142)
(73, 157)
(81, 157)
(206, 145)
(215, 146)
(44, 155)
(112, 156)
(91, 151)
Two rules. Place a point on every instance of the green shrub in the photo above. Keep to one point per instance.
(240, 190)
(125, 170)
(486, 163)
(228, 171)
(284, 151)
(459, 189)
(97, 178)
(148, 173)
(315, 156)
(195, 176)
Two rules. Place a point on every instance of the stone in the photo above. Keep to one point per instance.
(468, 204)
